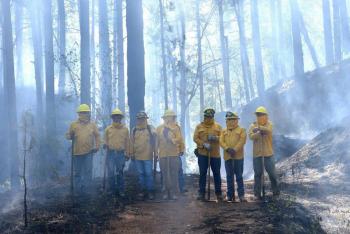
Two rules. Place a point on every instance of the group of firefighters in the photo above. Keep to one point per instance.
(165, 144)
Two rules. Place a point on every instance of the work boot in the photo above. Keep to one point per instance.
(165, 196)
(173, 197)
(151, 196)
(141, 196)
(258, 198)
(229, 199)
(219, 197)
(242, 199)
(201, 197)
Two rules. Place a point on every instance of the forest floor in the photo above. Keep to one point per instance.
(52, 211)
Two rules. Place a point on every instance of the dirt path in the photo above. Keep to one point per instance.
(51, 211)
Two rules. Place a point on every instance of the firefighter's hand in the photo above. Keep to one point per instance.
(94, 151)
(212, 138)
(207, 146)
(231, 151)
(156, 157)
(127, 158)
(255, 130)
(181, 154)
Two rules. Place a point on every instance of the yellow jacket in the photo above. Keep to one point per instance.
(86, 137)
(262, 142)
(233, 138)
(143, 142)
(117, 137)
(169, 140)
(200, 137)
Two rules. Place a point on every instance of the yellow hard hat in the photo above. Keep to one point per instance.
(116, 111)
(261, 110)
(169, 113)
(83, 108)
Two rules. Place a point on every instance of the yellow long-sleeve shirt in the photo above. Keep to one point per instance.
(117, 137)
(200, 137)
(86, 137)
(233, 138)
(169, 140)
(262, 140)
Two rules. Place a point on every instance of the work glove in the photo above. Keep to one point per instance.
(231, 151)
(207, 146)
(181, 154)
(94, 151)
(212, 138)
(255, 130)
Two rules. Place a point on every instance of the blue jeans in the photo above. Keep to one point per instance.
(115, 172)
(269, 163)
(215, 164)
(82, 171)
(234, 167)
(144, 170)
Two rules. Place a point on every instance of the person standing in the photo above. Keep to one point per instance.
(260, 132)
(117, 145)
(206, 136)
(232, 140)
(85, 142)
(143, 151)
(170, 146)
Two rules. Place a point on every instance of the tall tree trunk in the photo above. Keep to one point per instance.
(183, 81)
(50, 84)
(85, 93)
(38, 63)
(200, 62)
(224, 58)
(282, 39)
(164, 71)
(337, 32)
(327, 31)
(105, 59)
(248, 84)
(136, 59)
(275, 43)
(19, 40)
(93, 59)
(9, 92)
(120, 56)
(297, 45)
(257, 48)
(344, 25)
(62, 46)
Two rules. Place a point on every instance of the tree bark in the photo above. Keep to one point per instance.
(105, 60)
(200, 61)
(183, 81)
(337, 32)
(248, 85)
(297, 45)
(345, 25)
(224, 58)
(257, 48)
(135, 58)
(85, 86)
(19, 41)
(93, 59)
(10, 113)
(164, 71)
(62, 46)
(327, 31)
(120, 56)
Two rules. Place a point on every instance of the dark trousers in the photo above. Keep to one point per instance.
(115, 170)
(215, 164)
(82, 171)
(269, 163)
(234, 167)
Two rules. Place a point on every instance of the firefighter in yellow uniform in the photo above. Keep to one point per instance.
(170, 146)
(143, 151)
(232, 140)
(117, 143)
(260, 132)
(206, 136)
(86, 141)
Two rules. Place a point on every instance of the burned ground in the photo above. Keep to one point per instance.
(52, 211)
